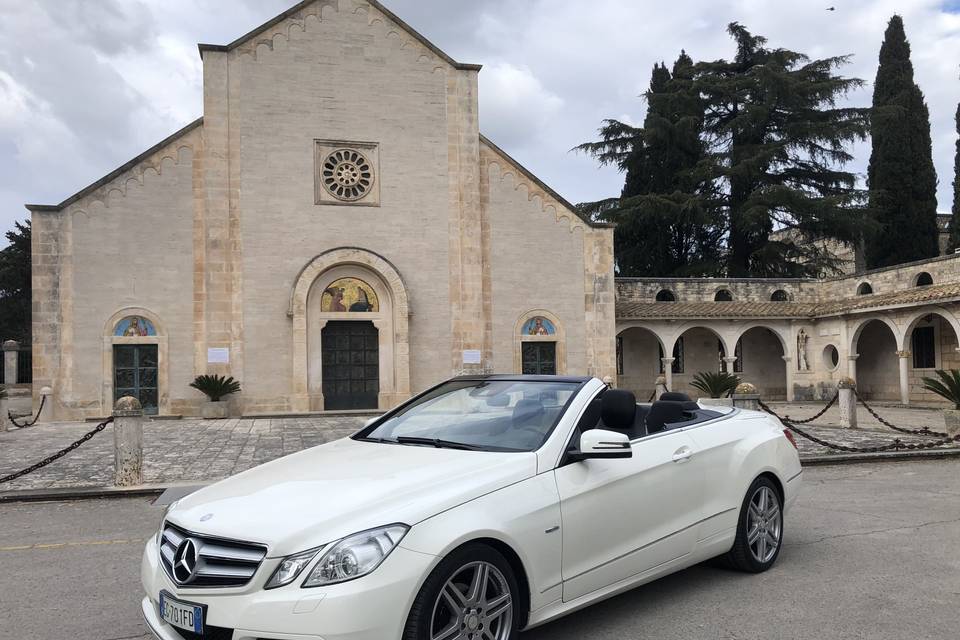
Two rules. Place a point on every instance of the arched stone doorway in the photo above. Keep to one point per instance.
(697, 349)
(930, 343)
(638, 361)
(350, 333)
(135, 360)
(760, 361)
(878, 365)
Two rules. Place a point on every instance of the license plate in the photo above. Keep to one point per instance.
(184, 615)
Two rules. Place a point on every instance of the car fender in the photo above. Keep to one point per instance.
(524, 516)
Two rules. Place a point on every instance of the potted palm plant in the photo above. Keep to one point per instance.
(215, 387)
(716, 385)
(948, 388)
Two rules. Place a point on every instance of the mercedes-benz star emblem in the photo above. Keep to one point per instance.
(186, 561)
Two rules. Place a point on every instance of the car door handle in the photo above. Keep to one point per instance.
(682, 454)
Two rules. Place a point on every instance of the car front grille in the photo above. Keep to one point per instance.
(219, 562)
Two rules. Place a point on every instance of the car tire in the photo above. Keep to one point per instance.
(465, 591)
(759, 529)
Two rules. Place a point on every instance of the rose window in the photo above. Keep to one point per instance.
(347, 174)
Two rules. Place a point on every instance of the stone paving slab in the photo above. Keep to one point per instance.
(198, 451)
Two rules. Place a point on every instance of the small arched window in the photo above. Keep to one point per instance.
(924, 279)
(665, 295)
(864, 289)
(723, 295)
(779, 296)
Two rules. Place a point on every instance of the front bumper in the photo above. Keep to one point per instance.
(373, 607)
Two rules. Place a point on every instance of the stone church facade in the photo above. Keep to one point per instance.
(334, 232)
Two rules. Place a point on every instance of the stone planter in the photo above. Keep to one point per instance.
(716, 402)
(951, 420)
(214, 410)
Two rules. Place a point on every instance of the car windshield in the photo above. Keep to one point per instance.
(489, 415)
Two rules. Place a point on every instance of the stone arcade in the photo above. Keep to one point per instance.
(335, 232)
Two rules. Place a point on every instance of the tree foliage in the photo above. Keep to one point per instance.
(755, 144)
(901, 175)
(15, 285)
(955, 220)
(663, 228)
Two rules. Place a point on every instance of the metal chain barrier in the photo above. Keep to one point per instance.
(43, 400)
(832, 402)
(917, 432)
(896, 445)
(59, 454)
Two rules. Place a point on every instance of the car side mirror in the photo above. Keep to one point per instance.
(600, 444)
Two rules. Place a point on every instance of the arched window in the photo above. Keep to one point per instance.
(864, 289)
(779, 296)
(723, 295)
(924, 279)
(665, 295)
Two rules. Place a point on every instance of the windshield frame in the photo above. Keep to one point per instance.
(577, 385)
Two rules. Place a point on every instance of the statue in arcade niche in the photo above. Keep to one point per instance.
(802, 338)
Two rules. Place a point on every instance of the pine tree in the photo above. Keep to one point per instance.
(15, 285)
(779, 144)
(901, 176)
(955, 220)
(663, 228)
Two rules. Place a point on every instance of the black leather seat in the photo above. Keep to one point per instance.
(618, 408)
(663, 413)
(528, 413)
(676, 396)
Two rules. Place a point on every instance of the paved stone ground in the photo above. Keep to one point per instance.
(193, 450)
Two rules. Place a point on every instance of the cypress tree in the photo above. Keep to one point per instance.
(901, 176)
(778, 144)
(663, 228)
(955, 220)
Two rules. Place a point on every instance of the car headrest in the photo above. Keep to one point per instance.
(674, 396)
(664, 412)
(618, 408)
(527, 411)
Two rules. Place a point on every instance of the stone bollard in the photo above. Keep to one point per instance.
(608, 380)
(746, 396)
(10, 355)
(46, 414)
(659, 387)
(847, 400)
(127, 442)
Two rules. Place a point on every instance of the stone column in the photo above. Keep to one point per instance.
(852, 366)
(746, 396)
(46, 413)
(127, 442)
(608, 380)
(728, 362)
(904, 376)
(788, 363)
(668, 372)
(847, 401)
(659, 387)
(10, 355)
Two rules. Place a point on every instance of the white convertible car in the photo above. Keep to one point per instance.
(481, 507)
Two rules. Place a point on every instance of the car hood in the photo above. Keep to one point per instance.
(322, 494)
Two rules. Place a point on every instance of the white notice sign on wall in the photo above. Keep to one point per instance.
(471, 356)
(218, 355)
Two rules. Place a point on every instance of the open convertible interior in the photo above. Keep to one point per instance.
(618, 410)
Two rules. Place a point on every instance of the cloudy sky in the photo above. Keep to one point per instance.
(85, 85)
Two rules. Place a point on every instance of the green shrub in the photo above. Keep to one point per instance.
(215, 387)
(948, 387)
(715, 385)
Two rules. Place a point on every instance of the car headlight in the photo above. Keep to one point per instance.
(290, 568)
(356, 555)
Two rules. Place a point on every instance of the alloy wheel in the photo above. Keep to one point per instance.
(764, 524)
(475, 603)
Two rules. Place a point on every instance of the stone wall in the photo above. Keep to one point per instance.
(704, 289)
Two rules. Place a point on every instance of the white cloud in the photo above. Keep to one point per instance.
(88, 85)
